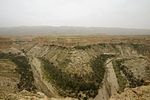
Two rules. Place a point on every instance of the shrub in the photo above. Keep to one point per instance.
(23, 68)
(74, 83)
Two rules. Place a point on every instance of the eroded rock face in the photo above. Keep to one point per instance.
(138, 93)
(77, 82)
(9, 78)
(83, 72)
(139, 67)
(26, 95)
(15, 73)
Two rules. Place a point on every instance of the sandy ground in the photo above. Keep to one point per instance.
(110, 84)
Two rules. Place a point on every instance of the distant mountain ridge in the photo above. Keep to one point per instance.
(66, 30)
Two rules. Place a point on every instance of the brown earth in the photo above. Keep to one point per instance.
(76, 59)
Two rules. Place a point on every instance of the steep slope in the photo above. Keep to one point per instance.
(95, 71)
(78, 61)
(110, 84)
(138, 93)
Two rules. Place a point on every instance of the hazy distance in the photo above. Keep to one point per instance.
(64, 30)
(87, 13)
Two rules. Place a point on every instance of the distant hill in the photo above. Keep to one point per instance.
(64, 30)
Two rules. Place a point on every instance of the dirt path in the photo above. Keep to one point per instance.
(110, 85)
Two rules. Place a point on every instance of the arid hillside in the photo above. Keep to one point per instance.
(74, 67)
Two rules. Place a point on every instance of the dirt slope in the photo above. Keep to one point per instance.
(54, 72)
(110, 83)
(138, 93)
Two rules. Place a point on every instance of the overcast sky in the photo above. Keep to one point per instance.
(89, 13)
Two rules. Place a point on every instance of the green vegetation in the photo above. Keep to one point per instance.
(129, 77)
(147, 70)
(24, 69)
(90, 46)
(141, 48)
(102, 45)
(83, 47)
(121, 79)
(133, 81)
(68, 83)
(65, 62)
(59, 46)
(71, 83)
(97, 65)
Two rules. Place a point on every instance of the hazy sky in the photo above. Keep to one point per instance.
(99, 13)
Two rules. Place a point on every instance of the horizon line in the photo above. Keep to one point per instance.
(73, 26)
